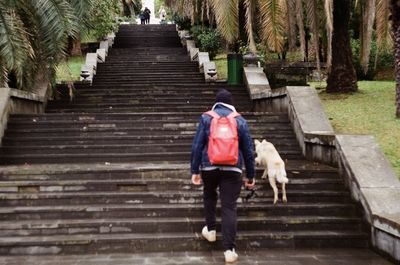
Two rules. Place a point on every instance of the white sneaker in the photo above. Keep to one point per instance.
(231, 256)
(211, 236)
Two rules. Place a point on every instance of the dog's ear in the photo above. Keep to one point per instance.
(257, 142)
(264, 141)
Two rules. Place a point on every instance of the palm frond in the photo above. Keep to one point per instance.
(15, 49)
(274, 24)
(383, 36)
(250, 6)
(82, 8)
(368, 17)
(56, 21)
(227, 16)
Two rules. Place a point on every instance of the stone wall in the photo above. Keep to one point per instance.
(313, 130)
(364, 168)
(13, 101)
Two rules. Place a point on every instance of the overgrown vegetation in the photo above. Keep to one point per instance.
(369, 111)
(207, 40)
(103, 17)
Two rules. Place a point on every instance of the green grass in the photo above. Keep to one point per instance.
(70, 70)
(222, 66)
(369, 111)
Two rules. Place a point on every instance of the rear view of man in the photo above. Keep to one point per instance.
(226, 176)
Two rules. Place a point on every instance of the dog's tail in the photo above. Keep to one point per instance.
(281, 174)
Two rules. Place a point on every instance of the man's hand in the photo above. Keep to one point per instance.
(196, 179)
(249, 183)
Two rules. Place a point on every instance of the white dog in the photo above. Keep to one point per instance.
(269, 158)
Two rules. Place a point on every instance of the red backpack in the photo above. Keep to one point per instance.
(223, 142)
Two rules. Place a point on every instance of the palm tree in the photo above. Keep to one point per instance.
(342, 76)
(34, 36)
(395, 10)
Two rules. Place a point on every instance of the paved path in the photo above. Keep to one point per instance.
(267, 257)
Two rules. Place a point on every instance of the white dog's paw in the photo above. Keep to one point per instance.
(275, 199)
(264, 176)
(284, 199)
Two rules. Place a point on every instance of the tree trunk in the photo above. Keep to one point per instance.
(395, 8)
(291, 8)
(74, 46)
(300, 24)
(368, 17)
(342, 77)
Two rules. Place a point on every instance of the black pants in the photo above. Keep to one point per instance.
(229, 184)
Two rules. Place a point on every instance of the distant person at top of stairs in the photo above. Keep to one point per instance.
(163, 15)
(142, 18)
(225, 177)
(147, 13)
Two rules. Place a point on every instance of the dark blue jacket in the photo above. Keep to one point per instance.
(199, 157)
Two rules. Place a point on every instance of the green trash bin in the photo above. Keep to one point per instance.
(235, 69)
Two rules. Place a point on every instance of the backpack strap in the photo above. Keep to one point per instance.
(212, 114)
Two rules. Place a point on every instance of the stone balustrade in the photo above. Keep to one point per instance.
(15, 101)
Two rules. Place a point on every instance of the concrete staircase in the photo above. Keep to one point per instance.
(108, 171)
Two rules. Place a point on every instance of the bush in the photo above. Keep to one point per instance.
(103, 17)
(210, 41)
(385, 60)
(207, 39)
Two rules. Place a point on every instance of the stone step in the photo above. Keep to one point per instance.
(128, 130)
(151, 59)
(180, 184)
(174, 225)
(145, 99)
(290, 255)
(21, 124)
(142, 96)
(86, 157)
(145, 50)
(152, 127)
(141, 92)
(132, 139)
(135, 210)
(112, 140)
(111, 107)
(115, 149)
(159, 61)
(185, 104)
(150, 79)
(157, 197)
(296, 169)
(193, 87)
(155, 242)
(167, 116)
(133, 108)
(140, 69)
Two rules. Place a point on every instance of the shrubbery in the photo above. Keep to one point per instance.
(207, 40)
(103, 17)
